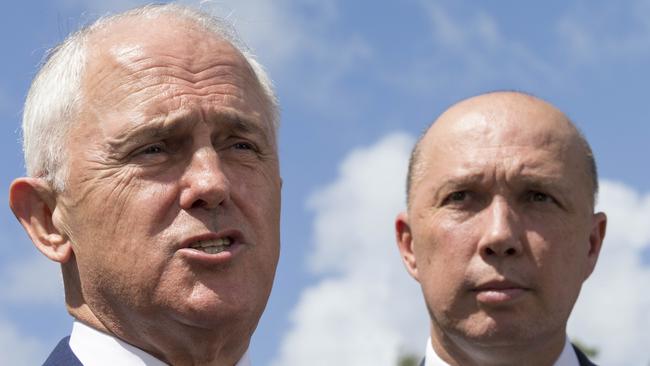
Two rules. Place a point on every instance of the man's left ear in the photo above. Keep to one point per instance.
(596, 237)
(33, 202)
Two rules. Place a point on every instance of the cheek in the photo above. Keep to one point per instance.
(117, 219)
(443, 251)
(560, 264)
(257, 193)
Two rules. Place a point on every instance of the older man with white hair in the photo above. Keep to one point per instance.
(153, 179)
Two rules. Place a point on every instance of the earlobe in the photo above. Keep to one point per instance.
(404, 239)
(33, 202)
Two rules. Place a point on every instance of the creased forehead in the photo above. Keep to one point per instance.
(496, 120)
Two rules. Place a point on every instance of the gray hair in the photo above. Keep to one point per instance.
(55, 96)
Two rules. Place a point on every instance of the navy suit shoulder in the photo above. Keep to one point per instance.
(62, 355)
(582, 358)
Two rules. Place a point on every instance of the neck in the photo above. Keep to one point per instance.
(458, 350)
(187, 346)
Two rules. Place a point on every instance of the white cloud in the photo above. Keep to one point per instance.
(365, 310)
(32, 280)
(19, 349)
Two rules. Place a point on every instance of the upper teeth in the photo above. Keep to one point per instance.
(221, 242)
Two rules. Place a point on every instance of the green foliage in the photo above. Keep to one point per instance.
(591, 352)
(408, 360)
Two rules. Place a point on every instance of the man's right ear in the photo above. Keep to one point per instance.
(404, 238)
(33, 202)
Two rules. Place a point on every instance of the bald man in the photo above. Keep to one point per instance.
(500, 231)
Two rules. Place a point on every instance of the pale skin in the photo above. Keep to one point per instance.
(174, 146)
(500, 230)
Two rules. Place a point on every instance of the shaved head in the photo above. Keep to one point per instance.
(501, 113)
(500, 229)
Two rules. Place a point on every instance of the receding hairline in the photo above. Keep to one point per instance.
(415, 159)
(50, 114)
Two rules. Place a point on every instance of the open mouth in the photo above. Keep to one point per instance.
(212, 246)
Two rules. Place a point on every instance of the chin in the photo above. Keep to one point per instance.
(490, 332)
(206, 309)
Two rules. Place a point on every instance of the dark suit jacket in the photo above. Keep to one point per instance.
(582, 359)
(62, 355)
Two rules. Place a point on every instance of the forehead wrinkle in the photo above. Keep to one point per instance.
(169, 124)
(157, 127)
(174, 82)
(192, 71)
(144, 61)
(510, 163)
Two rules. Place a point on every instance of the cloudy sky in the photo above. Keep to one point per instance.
(358, 81)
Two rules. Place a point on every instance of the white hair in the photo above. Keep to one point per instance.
(55, 96)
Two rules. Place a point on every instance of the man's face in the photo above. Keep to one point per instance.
(500, 225)
(173, 201)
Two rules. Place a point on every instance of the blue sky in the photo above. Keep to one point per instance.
(358, 81)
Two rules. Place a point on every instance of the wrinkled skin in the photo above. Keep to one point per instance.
(501, 195)
(174, 141)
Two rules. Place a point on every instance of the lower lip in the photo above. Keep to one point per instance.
(499, 296)
(223, 257)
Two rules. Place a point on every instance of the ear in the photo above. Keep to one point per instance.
(404, 238)
(33, 202)
(596, 237)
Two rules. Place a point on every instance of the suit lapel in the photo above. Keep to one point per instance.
(62, 355)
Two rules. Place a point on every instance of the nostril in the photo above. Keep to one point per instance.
(510, 251)
(199, 203)
(489, 251)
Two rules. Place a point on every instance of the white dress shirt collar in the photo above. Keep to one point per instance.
(95, 348)
(568, 356)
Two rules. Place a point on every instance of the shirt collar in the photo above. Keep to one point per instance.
(95, 348)
(568, 356)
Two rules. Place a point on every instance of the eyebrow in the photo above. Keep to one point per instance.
(530, 180)
(165, 126)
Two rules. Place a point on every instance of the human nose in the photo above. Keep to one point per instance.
(204, 182)
(502, 233)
